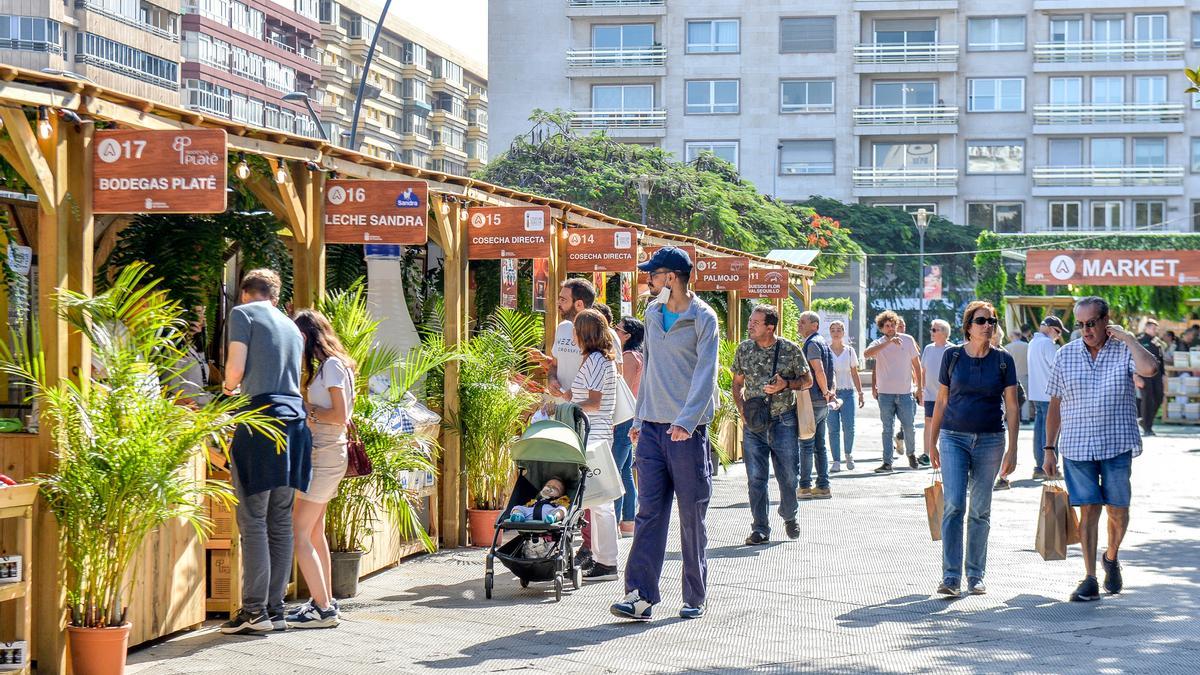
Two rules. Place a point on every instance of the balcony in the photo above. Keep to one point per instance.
(922, 57)
(905, 5)
(886, 119)
(1091, 56)
(583, 8)
(1068, 118)
(878, 182)
(601, 62)
(622, 123)
(1086, 181)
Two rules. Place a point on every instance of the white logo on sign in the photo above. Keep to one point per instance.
(702, 265)
(337, 195)
(478, 220)
(110, 150)
(1062, 267)
(535, 221)
(575, 239)
(622, 240)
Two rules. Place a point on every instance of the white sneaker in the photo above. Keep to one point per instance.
(849, 464)
(836, 468)
(632, 607)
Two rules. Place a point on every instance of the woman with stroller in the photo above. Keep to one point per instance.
(595, 391)
(631, 332)
(329, 379)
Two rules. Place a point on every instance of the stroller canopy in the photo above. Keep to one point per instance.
(551, 449)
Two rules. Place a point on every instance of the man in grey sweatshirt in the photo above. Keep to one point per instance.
(676, 402)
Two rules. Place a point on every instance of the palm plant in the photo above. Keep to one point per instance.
(122, 442)
(726, 410)
(352, 514)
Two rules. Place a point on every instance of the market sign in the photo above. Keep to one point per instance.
(602, 250)
(173, 171)
(1113, 268)
(376, 212)
(508, 232)
(770, 282)
(728, 273)
(646, 252)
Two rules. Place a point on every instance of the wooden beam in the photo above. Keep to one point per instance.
(80, 236)
(454, 265)
(266, 194)
(290, 198)
(733, 316)
(557, 274)
(28, 155)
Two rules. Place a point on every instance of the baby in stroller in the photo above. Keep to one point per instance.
(550, 506)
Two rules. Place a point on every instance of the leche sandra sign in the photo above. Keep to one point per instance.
(172, 171)
(1113, 268)
(376, 212)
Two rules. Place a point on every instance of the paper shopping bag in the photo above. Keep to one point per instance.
(1051, 540)
(1072, 523)
(933, 507)
(806, 419)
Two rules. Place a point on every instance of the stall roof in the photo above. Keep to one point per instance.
(20, 86)
(801, 257)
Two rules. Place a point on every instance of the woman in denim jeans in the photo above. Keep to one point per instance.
(632, 333)
(845, 373)
(977, 395)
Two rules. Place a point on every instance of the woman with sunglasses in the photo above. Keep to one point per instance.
(977, 399)
(632, 333)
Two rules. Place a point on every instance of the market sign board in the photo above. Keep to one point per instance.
(495, 232)
(770, 282)
(644, 254)
(376, 212)
(727, 273)
(171, 171)
(1113, 268)
(602, 250)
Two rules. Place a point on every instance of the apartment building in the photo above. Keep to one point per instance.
(425, 104)
(127, 45)
(1029, 116)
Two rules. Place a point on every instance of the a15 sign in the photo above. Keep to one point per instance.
(508, 232)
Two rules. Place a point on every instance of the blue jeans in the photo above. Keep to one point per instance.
(622, 450)
(892, 406)
(815, 447)
(1040, 408)
(841, 423)
(778, 446)
(970, 463)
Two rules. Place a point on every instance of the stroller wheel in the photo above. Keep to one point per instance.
(524, 583)
(577, 577)
(487, 585)
(558, 588)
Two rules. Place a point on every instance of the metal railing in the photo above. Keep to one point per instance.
(619, 119)
(870, 177)
(617, 58)
(1107, 176)
(1091, 52)
(917, 52)
(99, 8)
(31, 45)
(1106, 113)
(311, 53)
(616, 3)
(887, 115)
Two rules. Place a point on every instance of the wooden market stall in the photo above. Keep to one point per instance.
(53, 153)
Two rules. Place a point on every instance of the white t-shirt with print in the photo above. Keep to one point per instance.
(566, 353)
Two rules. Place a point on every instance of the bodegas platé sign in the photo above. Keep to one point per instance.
(166, 171)
(376, 212)
(508, 232)
(1113, 268)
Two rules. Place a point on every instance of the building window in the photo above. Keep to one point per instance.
(30, 33)
(1106, 215)
(1149, 152)
(909, 207)
(207, 97)
(806, 96)
(1196, 155)
(1108, 90)
(806, 157)
(1149, 27)
(1066, 151)
(1063, 31)
(810, 34)
(1149, 214)
(712, 37)
(614, 97)
(1195, 32)
(904, 94)
(996, 34)
(1108, 28)
(616, 36)
(712, 97)
(904, 156)
(726, 150)
(905, 31)
(246, 19)
(1003, 217)
(996, 95)
(1066, 90)
(1064, 215)
(1107, 151)
(1150, 89)
(995, 157)
(121, 58)
(1196, 216)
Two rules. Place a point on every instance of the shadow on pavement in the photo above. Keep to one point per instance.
(732, 551)
(533, 644)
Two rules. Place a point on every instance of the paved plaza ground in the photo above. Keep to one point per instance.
(853, 594)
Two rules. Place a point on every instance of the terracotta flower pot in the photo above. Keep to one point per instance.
(98, 651)
(481, 523)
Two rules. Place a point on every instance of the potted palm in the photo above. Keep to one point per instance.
(122, 443)
(352, 515)
(491, 410)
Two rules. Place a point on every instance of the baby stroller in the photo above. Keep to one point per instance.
(548, 449)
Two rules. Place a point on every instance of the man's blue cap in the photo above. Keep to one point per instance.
(668, 258)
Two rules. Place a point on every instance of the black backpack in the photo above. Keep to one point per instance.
(955, 352)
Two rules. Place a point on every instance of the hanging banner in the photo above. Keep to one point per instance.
(508, 283)
(728, 273)
(541, 279)
(933, 282)
(643, 278)
(508, 232)
(376, 212)
(602, 250)
(626, 294)
(600, 283)
(1113, 268)
(770, 282)
(173, 171)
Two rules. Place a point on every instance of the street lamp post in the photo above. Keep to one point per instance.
(643, 188)
(921, 218)
(299, 96)
(362, 82)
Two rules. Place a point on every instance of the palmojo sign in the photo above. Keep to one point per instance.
(165, 171)
(1113, 268)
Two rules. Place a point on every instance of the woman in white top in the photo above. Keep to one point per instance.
(841, 421)
(595, 391)
(329, 378)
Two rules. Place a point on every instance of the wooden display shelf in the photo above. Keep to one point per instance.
(218, 544)
(13, 591)
(16, 502)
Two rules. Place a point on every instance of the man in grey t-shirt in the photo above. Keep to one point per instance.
(931, 365)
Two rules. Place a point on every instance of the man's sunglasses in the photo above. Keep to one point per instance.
(1089, 324)
(989, 320)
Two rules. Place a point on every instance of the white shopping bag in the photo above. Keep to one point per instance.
(604, 479)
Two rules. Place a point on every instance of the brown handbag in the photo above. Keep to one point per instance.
(357, 461)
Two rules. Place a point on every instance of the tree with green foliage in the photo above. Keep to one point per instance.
(706, 198)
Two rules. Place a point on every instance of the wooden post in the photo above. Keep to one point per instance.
(733, 331)
(310, 259)
(451, 495)
(557, 275)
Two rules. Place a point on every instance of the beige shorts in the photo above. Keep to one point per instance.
(328, 463)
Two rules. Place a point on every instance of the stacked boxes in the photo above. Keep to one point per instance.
(220, 574)
(10, 569)
(13, 655)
